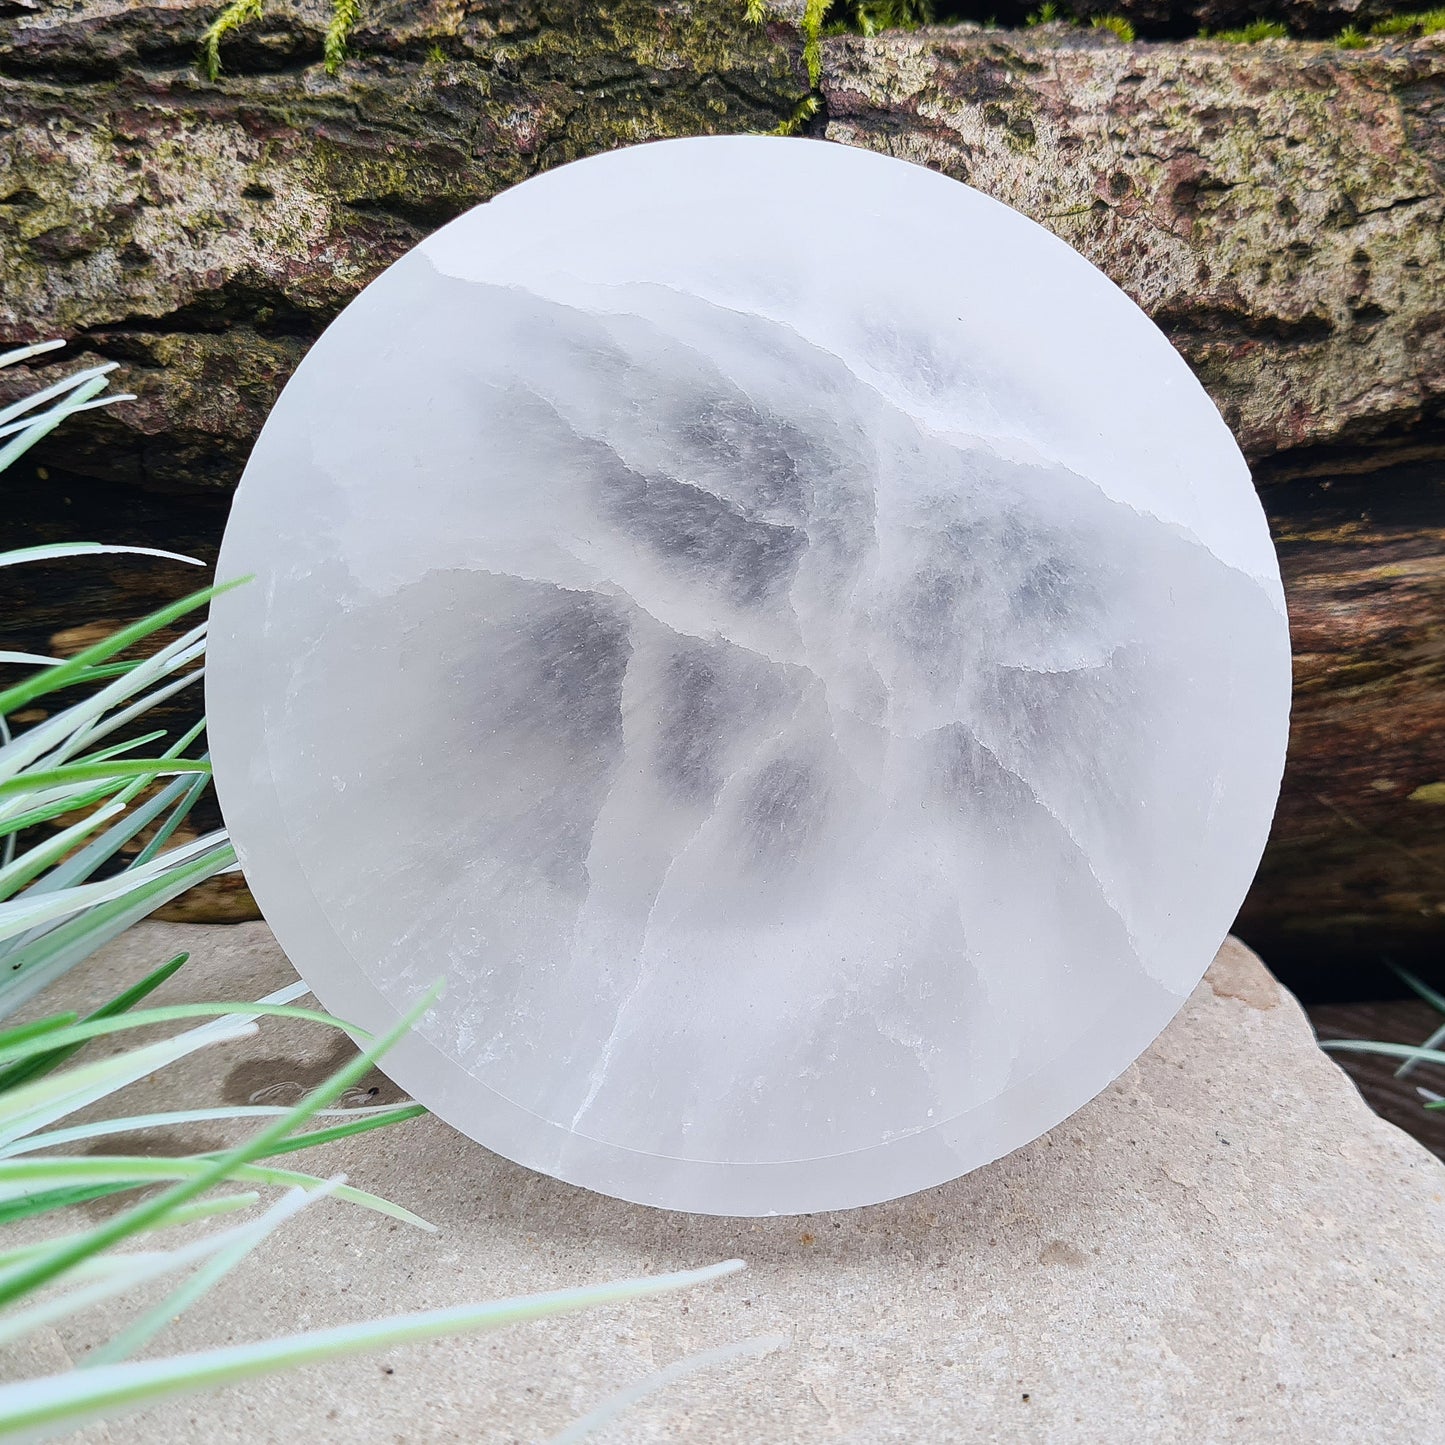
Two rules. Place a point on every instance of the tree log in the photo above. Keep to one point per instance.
(1277, 209)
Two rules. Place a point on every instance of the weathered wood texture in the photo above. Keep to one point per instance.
(1279, 210)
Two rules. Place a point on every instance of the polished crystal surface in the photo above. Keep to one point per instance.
(786, 638)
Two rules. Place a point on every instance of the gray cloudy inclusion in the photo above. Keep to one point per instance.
(803, 804)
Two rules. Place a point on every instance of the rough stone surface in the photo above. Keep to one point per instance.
(1225, 1245)
(203, 233)
(1276, 209)
(1190, 17)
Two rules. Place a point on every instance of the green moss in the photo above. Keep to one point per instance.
(1352, 39)
(1250, 34)
(1425, 23)
(344, 15)
(240, 13)
(231, 19)
(1116, 25)
(1046, 14)
(808, 107)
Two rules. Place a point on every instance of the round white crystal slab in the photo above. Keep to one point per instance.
(786, 638)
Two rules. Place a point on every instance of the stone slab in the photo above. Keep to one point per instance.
(1226, 1245)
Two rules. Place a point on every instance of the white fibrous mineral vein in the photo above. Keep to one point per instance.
(821, 730)
(798, 734)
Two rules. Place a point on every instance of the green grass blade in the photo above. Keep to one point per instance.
(133, 1124)
(37, 399)
(19, 1177)
(142, 705)
(39, 1064)
(169, 1013)
(196, 1213)
(38, 963)
(81, 865)
(54, 551)
(59, 733)
(33, 817)
(1435, 999)
(104, 1236)
(34, 861)
(395, 1115)
(137, 1335)
(33, 348)
(146, 768)
(40, 1029)
(46, 423)
(177, 816)
(47, 1201)
(23, 694)
(68, 1400)
(127, 1271)
(32, 909)
(41, 1102)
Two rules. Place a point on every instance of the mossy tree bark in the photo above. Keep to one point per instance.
(1277, 209)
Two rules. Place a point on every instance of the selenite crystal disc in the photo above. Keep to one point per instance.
(786, 638)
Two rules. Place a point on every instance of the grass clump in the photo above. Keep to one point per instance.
(1427, 22)
(1115, 25)
(1352, 38)
(88, 845)
(1250, 34)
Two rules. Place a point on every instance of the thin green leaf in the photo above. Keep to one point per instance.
(310, 1140)
(54, 551)
(1433, 1042)
(35, 348)
(10, 428)
(32, 817)
(169, 1013)
(64, 732)
(26, 692)
(37, 964)
(201, 1210)
(1433, 997)
(39, 1029)
(34, 861)
(100, 728)
(99, 772)
(35, 907)
(70, 1399)
(46, 423)
(178, 815)
(130, 1271)
(221, 1262)
(48, 1201)
(82, 864)
(36, 399)
(135, 1123)
(41, 1102)
(104, 1236)
(39, 1064)
(135, 1171)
